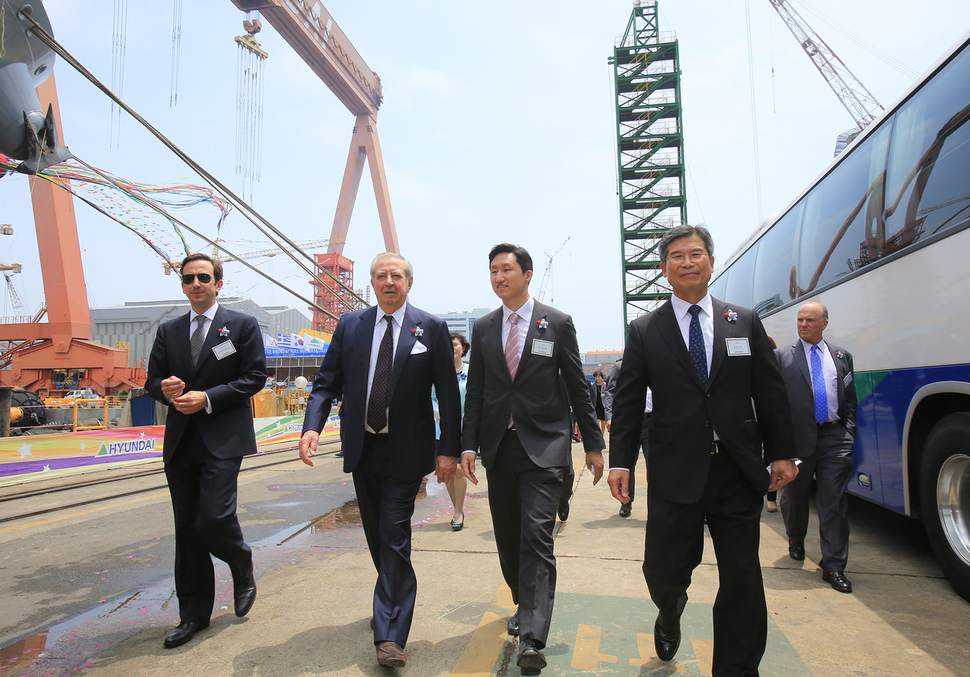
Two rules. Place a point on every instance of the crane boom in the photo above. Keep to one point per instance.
(311, 31)
(545, 275)
(308, 27)
(859, 101)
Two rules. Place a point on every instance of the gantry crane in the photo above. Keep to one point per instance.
(857, 99)
(311, 31)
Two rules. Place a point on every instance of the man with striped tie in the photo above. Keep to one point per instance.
(523, 374)
(819, 378)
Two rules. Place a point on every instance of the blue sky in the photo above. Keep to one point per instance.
(497, 125)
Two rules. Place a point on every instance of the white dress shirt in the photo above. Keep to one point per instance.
(209, 316)
(380, 328)
(705, 317)
(830, 375)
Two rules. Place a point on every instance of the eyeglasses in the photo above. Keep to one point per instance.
(204, 278)
(695, 256)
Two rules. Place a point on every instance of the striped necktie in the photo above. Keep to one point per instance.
(512, 346)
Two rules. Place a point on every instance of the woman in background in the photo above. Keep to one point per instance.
(457, 485)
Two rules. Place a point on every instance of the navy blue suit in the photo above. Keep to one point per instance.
(387, 469)
(202, 452)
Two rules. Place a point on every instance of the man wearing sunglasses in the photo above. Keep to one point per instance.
(206, 365)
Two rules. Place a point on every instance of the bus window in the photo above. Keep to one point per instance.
(772, 275)
(717, 287)
(843, 217)
(928, 185)
(738, 288)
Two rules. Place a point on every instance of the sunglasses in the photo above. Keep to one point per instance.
(204, 278)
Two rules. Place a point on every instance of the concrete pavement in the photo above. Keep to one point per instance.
(316, 580)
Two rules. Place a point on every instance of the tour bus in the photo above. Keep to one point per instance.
(882, 239)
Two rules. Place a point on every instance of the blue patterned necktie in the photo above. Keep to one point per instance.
(818, 386)
(696, 341)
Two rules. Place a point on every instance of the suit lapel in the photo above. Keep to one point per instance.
(722, 330)
(840, 372)
(492, 342)
(798, 357)
(405, 342)
(532, 329)
(220, 321)
(364, 339)
(670, 331)
(183, 343)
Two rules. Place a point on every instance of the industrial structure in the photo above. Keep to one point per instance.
(38, 350)
(857, 99)
(650, 154)
(312, 32)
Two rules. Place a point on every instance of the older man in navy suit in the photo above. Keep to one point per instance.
(383, 361)
(206, 365)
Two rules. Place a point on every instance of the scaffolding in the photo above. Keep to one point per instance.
(650, 154)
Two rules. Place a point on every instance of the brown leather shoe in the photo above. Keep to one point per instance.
(391, 655)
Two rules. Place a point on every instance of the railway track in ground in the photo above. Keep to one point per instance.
(259, 461)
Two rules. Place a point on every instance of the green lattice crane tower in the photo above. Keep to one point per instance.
(650, 154)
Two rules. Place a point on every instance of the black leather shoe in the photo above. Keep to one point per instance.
(514, 624)
(245, 595)
(837, 580)
(531, 659)
(666, 642)
(183, 633)
(564, 511)
(339, 454)
(626, 509)
(796, 550)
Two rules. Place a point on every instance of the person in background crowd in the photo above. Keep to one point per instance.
(458, 484)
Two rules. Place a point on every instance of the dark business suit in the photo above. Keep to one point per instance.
(608, 395)
(525, 465)
(202, 452)
(689, 481)
(388, 468)
(825, 451)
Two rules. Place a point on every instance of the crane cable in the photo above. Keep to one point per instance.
(754, 112)
(49, 40)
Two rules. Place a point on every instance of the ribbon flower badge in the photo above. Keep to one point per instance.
(543, 323)
(417, 331)
(731, 315)
(223, 332)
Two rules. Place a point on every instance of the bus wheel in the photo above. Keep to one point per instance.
(945, 498)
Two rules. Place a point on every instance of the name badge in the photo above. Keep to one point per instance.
(544, 348)
(224, 349)
(737, 347)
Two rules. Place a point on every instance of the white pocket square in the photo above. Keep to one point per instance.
(418, 348)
